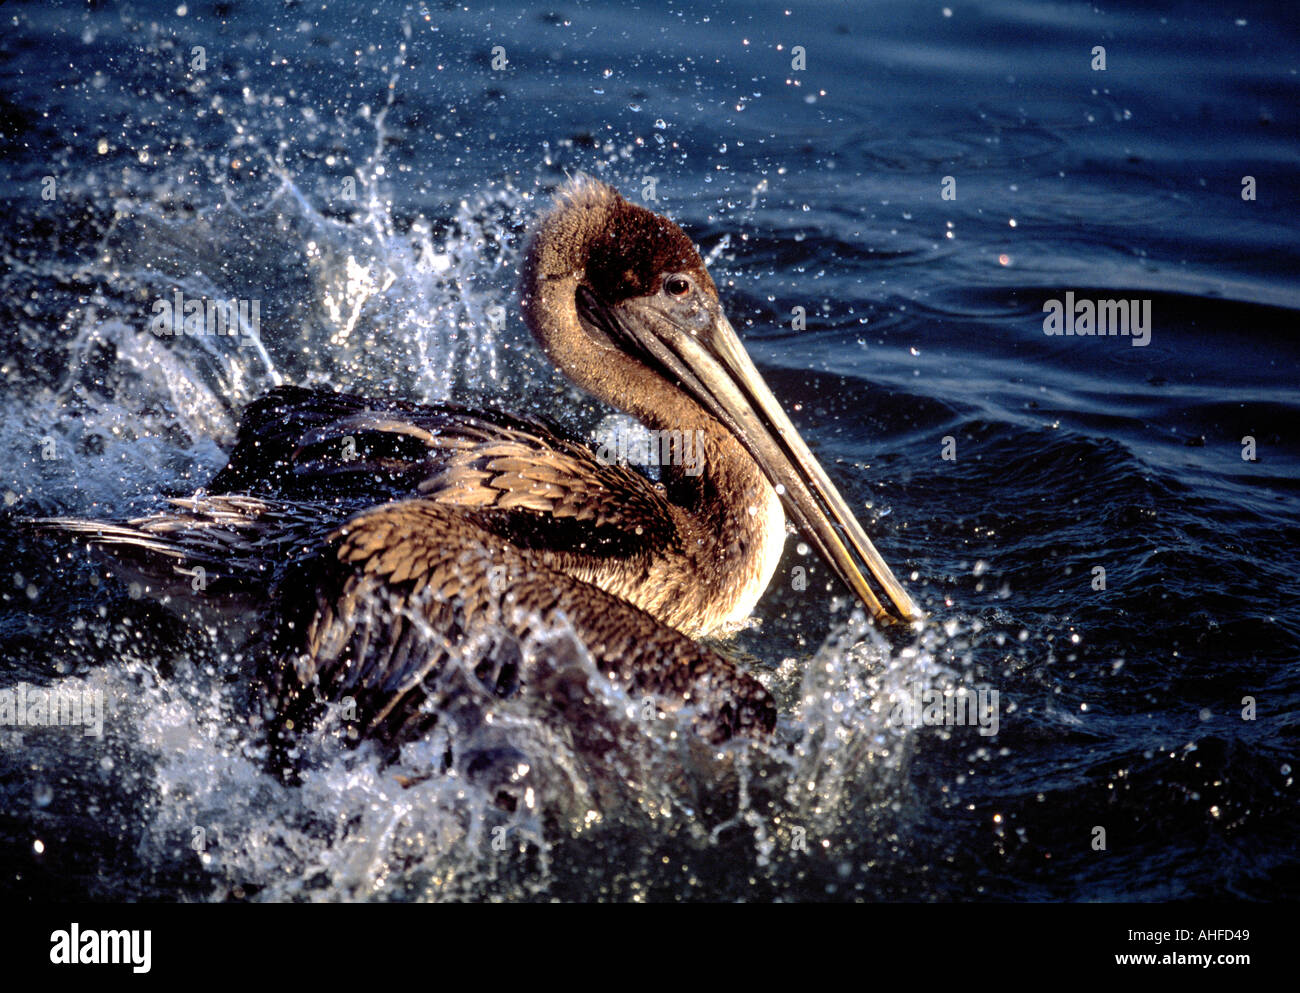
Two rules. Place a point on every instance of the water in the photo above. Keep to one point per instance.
(367, 176)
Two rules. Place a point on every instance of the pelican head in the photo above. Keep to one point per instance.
(620, 301)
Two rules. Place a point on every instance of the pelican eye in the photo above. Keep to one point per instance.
(677, 286)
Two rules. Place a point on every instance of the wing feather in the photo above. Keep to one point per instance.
(520, 479)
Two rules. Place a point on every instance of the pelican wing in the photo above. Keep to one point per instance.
(409, 596)
(516, 478)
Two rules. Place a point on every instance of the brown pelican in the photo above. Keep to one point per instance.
(380, 534)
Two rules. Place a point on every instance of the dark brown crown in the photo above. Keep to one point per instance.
(622, 250)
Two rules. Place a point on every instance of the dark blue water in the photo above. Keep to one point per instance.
(366, 173)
